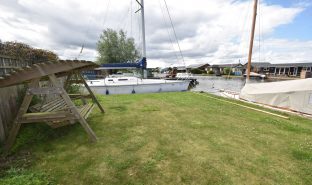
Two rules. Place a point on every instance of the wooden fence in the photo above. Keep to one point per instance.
(9, 105)
(9, 64)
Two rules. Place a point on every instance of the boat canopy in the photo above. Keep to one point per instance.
(294, 95)
(141, 64)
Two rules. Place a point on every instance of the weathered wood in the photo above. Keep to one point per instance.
(67, 81)
(16, 125)
(57, 109)
(91, 93)
(37, 71)
(44, 90)
(73, 109)
(46, 117)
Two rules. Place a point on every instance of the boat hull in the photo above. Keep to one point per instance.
(141, 88)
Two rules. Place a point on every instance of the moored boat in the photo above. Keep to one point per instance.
(133, 85)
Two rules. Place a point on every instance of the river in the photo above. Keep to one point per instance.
(213, 84)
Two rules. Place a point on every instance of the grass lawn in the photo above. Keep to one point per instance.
(166, 138)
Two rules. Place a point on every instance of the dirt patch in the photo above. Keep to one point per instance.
(21, 160)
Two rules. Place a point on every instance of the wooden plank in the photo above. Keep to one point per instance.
(74, 109)
(16, 125)
(44, 90)
(2, 131)
(57, 106)
(46, 117)
(40, 70)
(76, 96)
(91, 93)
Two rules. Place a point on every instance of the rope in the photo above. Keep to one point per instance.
(165, 22)
(247, 107)
(175, 35)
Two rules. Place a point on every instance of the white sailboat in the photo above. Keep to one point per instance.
(128, 85)
(293, 95)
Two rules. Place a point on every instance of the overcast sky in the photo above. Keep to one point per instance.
(209, 31)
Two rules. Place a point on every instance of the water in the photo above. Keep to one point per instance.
(213, 84)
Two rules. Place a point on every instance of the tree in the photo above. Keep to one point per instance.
(227, 71)
(25, 52)
(115, 47)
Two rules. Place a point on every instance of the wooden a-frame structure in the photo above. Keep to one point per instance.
(59, 111)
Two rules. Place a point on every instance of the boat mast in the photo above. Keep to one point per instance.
(141, 3)
(143, 28)
(252, 39)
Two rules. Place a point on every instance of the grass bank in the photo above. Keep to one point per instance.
(167, 138)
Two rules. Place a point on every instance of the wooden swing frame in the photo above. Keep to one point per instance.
(50, 71)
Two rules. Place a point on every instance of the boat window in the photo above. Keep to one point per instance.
(110, 80)
(122, 79)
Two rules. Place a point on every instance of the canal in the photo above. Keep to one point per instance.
(213, 84)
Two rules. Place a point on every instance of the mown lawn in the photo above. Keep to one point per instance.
(167, 138)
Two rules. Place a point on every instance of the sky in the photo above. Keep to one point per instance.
(208, 31)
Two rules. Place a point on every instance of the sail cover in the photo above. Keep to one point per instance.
(294, 94)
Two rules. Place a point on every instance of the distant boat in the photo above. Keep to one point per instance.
(255, 75)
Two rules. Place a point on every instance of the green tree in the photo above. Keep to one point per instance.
(115, 47)
(227, 71)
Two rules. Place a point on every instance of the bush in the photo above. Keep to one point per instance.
(211, 72)
(227, 71)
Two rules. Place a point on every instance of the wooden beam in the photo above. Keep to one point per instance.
(252, 38)
(22, 110)
(74, 109)
(91, 93)
(44, 90)
(46, 117)
(39, 70)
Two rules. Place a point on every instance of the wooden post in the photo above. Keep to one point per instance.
(91, 93)
(22, 110)
(73, 108)
(252, 38)
(67, 82)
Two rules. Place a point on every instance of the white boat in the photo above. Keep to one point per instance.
(293, 95)
(256, 75)
(133, 85)
(128, 85)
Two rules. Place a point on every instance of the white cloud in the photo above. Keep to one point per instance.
(209, 31)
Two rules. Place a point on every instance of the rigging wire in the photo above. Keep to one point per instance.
(259, 18)
(138, 18)
(123, 21)
(106, 14)
(131, 9)
(165, 22)
(245, 33)
(88, 29)
(175, 35)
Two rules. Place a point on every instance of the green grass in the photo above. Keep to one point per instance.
(168, 138)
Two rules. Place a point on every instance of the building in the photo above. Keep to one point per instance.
(203, 67)
(284, 69)
(219, 69)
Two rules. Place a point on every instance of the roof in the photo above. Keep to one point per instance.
(197, 65)
(227, 65)
(43, 69)
(267, 64)
(292, 65)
